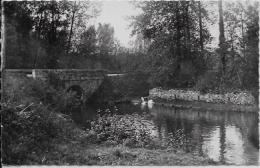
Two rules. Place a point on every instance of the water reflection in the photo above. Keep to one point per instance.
(228, 137)
(223, 136)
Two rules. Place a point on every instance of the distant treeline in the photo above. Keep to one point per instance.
(171, 45)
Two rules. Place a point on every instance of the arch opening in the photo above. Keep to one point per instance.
(76, 90)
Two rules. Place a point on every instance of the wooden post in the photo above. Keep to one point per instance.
(2, 51)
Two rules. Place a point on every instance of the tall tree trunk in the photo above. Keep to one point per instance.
(3, 34)
(38, 37)
(201, 29)
(39, 27)
(52, 62)
(52, 25)
(243, 40)
(71, 26)
(222, 37)
(188, 47)
(178, 30)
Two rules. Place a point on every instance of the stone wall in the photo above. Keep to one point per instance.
(88, 80)
(172, 94)
(69, 74)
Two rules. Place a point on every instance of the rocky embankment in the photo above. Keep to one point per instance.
(242, 98)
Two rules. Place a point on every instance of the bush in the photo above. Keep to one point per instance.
(208, 82)
(127, 129)
(50, 93)
(133, 131)
(27, 134)
(31, 127)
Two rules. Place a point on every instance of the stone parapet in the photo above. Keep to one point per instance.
(68, 74)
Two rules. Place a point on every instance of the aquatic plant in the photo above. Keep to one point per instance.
(133, 131)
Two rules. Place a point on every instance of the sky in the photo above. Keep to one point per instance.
(116, 13)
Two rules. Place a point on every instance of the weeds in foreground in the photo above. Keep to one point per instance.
(31, 122)
(27, 133)
(133, 131)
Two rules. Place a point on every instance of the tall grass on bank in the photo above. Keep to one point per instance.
(31, 119)
(26, 134)
(50, 93)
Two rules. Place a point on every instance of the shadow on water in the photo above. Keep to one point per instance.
(227, 137)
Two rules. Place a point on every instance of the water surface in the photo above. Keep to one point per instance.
(228, 137)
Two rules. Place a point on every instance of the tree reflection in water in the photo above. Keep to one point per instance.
(228, 137)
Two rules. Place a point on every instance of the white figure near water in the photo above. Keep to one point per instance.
(147, 102)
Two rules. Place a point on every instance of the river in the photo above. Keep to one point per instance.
(225, 136)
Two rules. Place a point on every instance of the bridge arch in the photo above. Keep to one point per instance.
(77, 90)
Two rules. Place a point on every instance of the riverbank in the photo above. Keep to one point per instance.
(242, 101)
(86, 150)
(104, 155)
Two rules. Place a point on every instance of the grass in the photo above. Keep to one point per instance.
(80, 152)
(121, 155)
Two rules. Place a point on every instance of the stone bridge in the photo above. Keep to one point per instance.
(83, 81)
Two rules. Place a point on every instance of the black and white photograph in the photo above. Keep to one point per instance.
(130, 83)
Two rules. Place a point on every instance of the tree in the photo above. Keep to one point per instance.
(200, 26)
(39, 33)
(105, 39)
(79, 16)
(174, 30)
(18, 26)
(87, 46)
(240, 20)
(251, 75)
(222, 37)
(3, 55)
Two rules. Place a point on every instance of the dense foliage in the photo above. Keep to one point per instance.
(180, 52)
(33, 122)
(174, 30)
(27, 134)
(133, 130)
(56, 34)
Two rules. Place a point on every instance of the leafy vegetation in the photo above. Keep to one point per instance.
(120, 129)
(133, 130)
(26, 134)
(181, 54)
(34, 123)
(55, 34)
